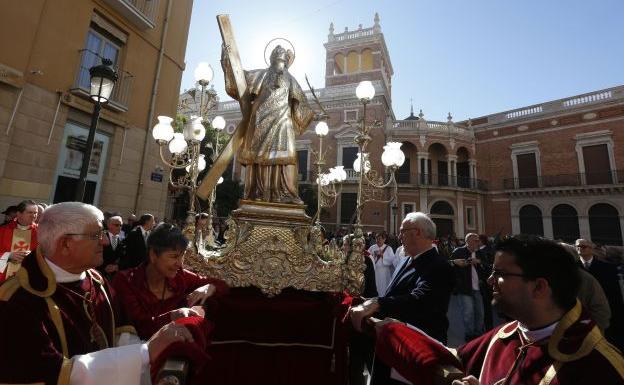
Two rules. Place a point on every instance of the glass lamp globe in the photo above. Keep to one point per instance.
(203, 73)
(365, 90)
(163, 129)
(356, 163)
(177, 144)
(102, 79)
(195, 130)
(398, 155)
(201, 162)
(321, 128)
(218, 123)
(341, 174)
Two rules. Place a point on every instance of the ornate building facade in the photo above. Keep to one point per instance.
(45, 110)
(549, 169)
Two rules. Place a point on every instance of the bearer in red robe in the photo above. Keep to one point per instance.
(58, 319)
(160, 290)
(552, 341)
(17, 239)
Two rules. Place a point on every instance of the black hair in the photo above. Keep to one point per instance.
(21, 207)
(144, 219)
(166, 237)
(542, 258)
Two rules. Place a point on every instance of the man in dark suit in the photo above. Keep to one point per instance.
(419, 291)
(136, 243)
(114, 247)
(471, 274)
(607, 275)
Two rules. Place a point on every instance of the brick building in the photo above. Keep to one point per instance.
(45, 112)
(549, 169)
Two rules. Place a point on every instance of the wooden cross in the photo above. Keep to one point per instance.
(221, 163)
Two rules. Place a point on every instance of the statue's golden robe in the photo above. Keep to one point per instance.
(268, 151)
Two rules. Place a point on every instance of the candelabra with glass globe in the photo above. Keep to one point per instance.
(370, 184)
(326, 182)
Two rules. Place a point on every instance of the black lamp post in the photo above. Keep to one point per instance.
(394, 217)
(103, 78)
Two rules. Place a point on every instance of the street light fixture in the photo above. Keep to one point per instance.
(103, 78)
(369, 183)
(218, 123)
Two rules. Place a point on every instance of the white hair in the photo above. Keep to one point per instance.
(423, 222)
(64, 218)
(115, 218)
(470, 235)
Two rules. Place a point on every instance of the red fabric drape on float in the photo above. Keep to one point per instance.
(295, 337)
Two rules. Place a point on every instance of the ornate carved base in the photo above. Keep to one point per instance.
(273, 246)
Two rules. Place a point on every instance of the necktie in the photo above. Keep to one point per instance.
(114, 241)
(586, 265)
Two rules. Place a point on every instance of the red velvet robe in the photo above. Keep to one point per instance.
(147, 312)
(576, 351)
(33, 347)
(6, 241)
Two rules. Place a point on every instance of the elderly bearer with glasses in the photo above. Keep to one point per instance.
(58, 323)
(552, 340)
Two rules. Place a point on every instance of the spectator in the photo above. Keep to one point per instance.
(114, 248)
(469, 270)
(607, 275)
(551, 340)
(9, 214)
(382, 256)
(136, 243)
(17, 239)
(127, 227)
(420, 290)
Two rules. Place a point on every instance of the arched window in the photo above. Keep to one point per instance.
(367, 59)
(339, 64)
(442, 208)
(565, 223)
(353, 62)
(604, 224)
(531, 220)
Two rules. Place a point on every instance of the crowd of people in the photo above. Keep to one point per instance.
(85, 294)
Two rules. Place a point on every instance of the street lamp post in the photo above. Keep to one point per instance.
(218, 123)
(103, 78)
(392, 158)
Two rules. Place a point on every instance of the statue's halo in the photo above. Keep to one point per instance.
(275, 42)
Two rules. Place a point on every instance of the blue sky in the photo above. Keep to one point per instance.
(469, 57)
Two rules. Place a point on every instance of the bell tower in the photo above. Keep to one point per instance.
(353, 56)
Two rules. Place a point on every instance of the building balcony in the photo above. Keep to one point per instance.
(608, 178)
(82, 85)
(141, 13)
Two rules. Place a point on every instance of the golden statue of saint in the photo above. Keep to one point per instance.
(279, 111)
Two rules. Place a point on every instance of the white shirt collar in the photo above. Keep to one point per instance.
(63, 276)
(537, 334)
(585, 262)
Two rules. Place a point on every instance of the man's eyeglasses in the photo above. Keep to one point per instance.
(92, 237)
(582, 246)
(501, 274)
(403, 231)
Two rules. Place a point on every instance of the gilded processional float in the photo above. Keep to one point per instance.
(283, 321)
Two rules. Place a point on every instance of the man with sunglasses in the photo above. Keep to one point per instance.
(58, 320)
(551, 341)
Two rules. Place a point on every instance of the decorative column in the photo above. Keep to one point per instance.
(451, 165)
(584, 230)
(472, 169)
(548, 228)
